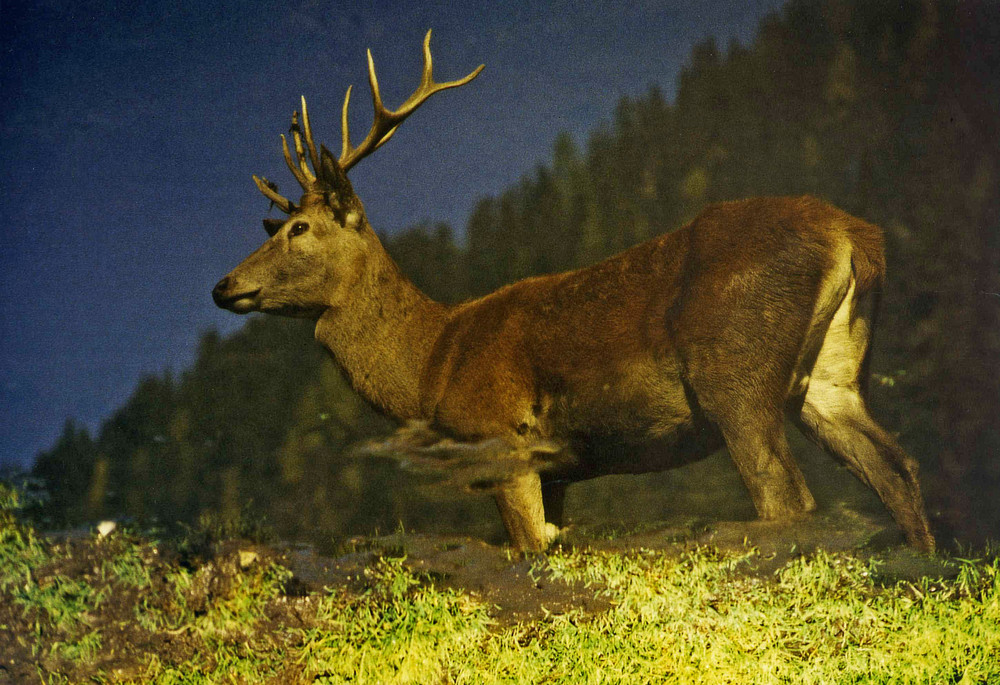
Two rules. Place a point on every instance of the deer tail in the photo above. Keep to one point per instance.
(868, 267)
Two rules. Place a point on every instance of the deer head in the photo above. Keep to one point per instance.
(316, 257)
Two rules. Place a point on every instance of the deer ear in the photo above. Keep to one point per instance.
(272, 226)
(335, 177)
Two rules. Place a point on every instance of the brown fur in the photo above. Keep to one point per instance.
(699, 338)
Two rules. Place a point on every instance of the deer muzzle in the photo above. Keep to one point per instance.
(229, 295)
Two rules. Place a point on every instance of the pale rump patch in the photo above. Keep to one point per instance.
(831, 385)
(843, 350)
(831, 315)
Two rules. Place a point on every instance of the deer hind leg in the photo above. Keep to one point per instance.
(759, 449)
(835, 416)
(741, 380)
(748, 408)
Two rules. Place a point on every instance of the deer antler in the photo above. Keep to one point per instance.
(386, 120)
(299, 167)
(385, 123)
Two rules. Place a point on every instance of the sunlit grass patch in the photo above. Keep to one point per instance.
(699, 618)
(820, 619)
(221, 610)
(400, 629)
(221, 662)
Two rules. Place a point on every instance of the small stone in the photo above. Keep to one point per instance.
(247, 557)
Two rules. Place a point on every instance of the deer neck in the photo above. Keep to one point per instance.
(382, 338)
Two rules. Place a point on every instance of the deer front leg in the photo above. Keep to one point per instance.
(520, 503)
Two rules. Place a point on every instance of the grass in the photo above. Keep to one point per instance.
(399, 628)
(819, 619)
(21, 549)
(123, 609)
(694, 619)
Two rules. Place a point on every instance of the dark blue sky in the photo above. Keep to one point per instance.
(129, 132)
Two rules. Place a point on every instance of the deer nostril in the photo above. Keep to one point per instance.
(218, 292)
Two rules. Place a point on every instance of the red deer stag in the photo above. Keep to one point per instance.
(704, 337)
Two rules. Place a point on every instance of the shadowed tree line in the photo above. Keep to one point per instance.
(888, 110)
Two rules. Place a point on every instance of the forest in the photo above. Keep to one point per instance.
(887, 110)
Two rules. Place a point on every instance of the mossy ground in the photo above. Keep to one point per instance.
(656, 605)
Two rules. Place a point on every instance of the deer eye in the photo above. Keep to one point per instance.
(298, 229)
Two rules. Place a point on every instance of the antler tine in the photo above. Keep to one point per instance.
(271, 192)
(345, 130)
(427, 85)
(299, 176)
(301, 170)
(300, 153)
(307, 130)
(386, 121)
(303, 177)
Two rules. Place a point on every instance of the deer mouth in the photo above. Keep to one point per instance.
(240, 303)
